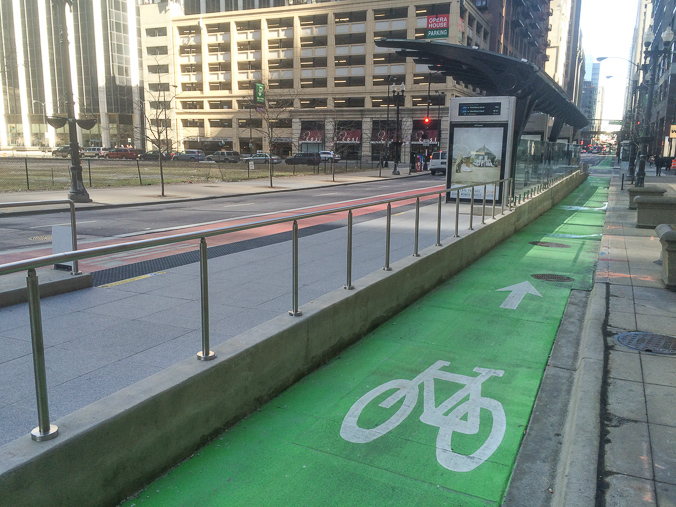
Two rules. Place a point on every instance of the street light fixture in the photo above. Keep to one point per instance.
(398, 95)
(652, 56)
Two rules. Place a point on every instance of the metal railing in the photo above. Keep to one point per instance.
(46, 431)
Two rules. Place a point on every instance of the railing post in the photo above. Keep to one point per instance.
(504, 196)
(73, 236)
(417, 226)
(495, 196)
(349, 285)
(387, 267)
(45, 430)
(295, 312)
(510, 182)
(483, 208)
(205, 354)
(28, 186)
(457, 213)
(471, 211)
(439, 222)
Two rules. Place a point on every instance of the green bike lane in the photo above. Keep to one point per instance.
(302, 448)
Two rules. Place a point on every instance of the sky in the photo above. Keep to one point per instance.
(607, 30)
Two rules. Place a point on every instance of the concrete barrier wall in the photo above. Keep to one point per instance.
(113, 447)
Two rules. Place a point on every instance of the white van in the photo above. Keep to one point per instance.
(95, 152)
(438, 162)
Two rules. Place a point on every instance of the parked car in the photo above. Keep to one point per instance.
(191, 156)
(262, 158)
(224, 156)
(95, 152)
(122, 153)
(63, 151)
(154, 155)
(438, 162)
(329, 156)
(304, 158)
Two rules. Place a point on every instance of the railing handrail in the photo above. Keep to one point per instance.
(73, 225)
(47, 260)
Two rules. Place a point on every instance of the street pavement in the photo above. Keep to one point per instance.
(620, 417)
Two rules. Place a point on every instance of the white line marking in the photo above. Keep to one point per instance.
(518, 292)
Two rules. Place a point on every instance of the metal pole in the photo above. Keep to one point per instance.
(510, 183)
(471, 211)
(294, 241)
(417, 226)
(387, 236)
(45, 430)
(504, 196)
(349, 285)
(483, 208)
(439, 222)
(495, 193)
(397, 146)
(205, 354)
(73, 236)
(77, 192)
(387, 127)
(457, 213)
(25, 161)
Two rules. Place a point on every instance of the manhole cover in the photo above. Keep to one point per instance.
(648, 342)
(548, 244)
(41, 238)
(549, 277)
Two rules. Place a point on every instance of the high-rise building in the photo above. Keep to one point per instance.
(105, 67)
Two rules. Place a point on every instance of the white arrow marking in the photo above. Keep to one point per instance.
(519, 291)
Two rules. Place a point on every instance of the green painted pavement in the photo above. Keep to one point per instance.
(291, 452)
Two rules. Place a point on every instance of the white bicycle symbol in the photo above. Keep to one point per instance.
(434, 416)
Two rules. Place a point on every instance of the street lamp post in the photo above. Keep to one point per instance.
(645, 132)
(387, 124)
(398, 95)
(77, 192)
(440, 100)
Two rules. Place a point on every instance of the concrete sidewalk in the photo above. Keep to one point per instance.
(638, 396)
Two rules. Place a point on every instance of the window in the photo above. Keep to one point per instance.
(349, 102)
(319, 19)
(157, 50)
(307, 42)
(156, 32)
(221, 122)
(319, 82)
(350, 17)
(220, 104)
(160, 104)
(189, 30)
(280, 103)
(192, 104)
(249, 45)
(390, 34)
(282, 123)
(219, 85)
(388, 58)
(219, 28)
(398, 13)
(280, 43)
(158, 69)
(243, 26)
(256, 123)
(213, 5)
(348, 61)
(191, 68)
(312, 103)
(193, 123)
(158, 87)
(190, 50)
(222, 47)
(352, 38)
(219, 67)
(285, 64)
(348, 81)
(191, 87)
(280, 22)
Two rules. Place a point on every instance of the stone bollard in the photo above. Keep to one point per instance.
(667, 235)
(647, 191)
(653, 211)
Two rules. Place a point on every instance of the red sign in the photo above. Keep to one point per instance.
(349, 136)
(311, 136)
(437, 21)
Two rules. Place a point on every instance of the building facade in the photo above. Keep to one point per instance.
(327, 85)
(103, 44)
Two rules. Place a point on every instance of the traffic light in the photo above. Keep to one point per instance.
(427, 120)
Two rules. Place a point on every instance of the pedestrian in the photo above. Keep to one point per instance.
(658, 166)
(651, 160)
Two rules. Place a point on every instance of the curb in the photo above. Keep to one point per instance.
(575, 482)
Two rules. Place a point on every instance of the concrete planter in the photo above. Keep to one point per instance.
(667, 234)
(647, 191)
(653, 211)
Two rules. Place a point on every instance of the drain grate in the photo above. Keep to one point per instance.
(648, 342)
(549, 244)
(48, 237)
(550, 277)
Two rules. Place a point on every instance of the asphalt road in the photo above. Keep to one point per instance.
(33, 231)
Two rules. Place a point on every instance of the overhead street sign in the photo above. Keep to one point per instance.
(672, 132)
